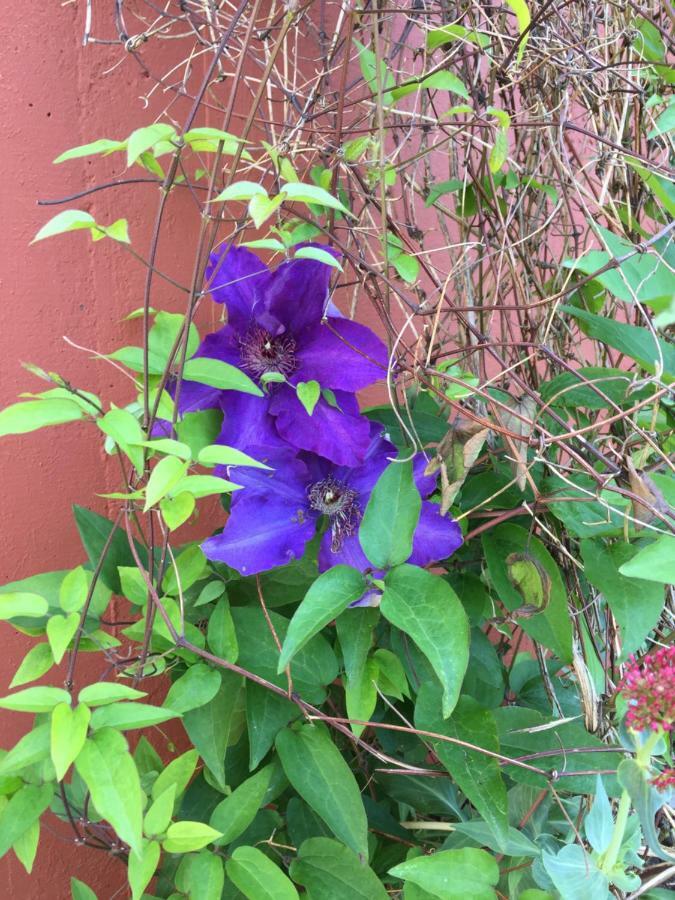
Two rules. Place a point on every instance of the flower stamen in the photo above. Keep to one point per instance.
(338, 501)
(262, 353)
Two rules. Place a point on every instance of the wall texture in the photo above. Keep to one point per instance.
(56, 94)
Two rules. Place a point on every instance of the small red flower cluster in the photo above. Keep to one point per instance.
(649, 688)
(664, 780)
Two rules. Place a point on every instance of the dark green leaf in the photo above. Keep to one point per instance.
(94, 531)
(318, 772)
(211, 727)
(332, 592)
(266, 714)
(391, 516)
(478, 775)
(236, 812)
(427, 609)
(452, 873)
(327, 868)
(552, 626)
(257, 877)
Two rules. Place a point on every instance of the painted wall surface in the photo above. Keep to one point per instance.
(55, 95)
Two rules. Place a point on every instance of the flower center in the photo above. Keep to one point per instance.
(261, 353)
(338, 501)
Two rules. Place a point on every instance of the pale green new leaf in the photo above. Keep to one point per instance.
(142, 867)
(68, 734)
(19, 603)
(222, 455)
(109, 771)
(184, 837)
(308, 394)
(21, 418)
(219, 374)
(165, 476)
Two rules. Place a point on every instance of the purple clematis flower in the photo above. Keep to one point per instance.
(279, 322)
(276, 515)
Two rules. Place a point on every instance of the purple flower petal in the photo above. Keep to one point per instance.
(286, 483)
(237, 278)
(364, 477)
(426, 484)
(341, 354)
(194, 396)
(249, 426)
(297, 293)
(436, 537)
(349, 554)
(261, 533)
(338, 436)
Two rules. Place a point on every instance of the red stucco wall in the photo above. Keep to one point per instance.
(55, 95)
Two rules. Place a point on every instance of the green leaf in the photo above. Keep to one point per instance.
(257, 877)
(266, 715)
(219, 374)
(190, 566)
(441, 81)
(94, 531)
(109, 771)
(361, 695)
(355, 632)
(34, 665)
(599, 822)
(221, 635)
(655, 562)
(206, 876)
(30, 749)
(449, 33)
(308, 394)
(125, 716)
(523, 18)
(102, 145)
(184, 837)
(143, 139)
(327, 868)
(369, 69)
(241, 190)
(452, 873)
(142, 867)
(35, 699)
(574, 874)
(18, 603)
(177, 510)
(407, 267)
(426, 608)
(26, 846)
(646, 800)
(221, 455)
(165, 476)
(638, 343)
(551, 626)
(73, 590)
(68, 734)
(169, 447)
(314, 666)
(21, 418)
(235, 813)
(205, 485)
(178, 773)
(80, 890)
(320, 256)
(159, 815)
(331, 593)
(311, 193)
(67, 220)
(60, 631)
(210, 727)
(478, 775)
(636, 603)
(103, 692)
(23, 809)
(125, 430)
(500, 150)
(196, 687)
(391, 517)
(261, 207)
(318, 772)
